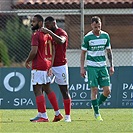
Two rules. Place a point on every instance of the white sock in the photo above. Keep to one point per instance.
(67, 117)
(39, 114)
(97, 115)
(44, 115)
(57, 112)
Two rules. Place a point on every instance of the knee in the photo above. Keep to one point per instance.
(66, 95)
(107, 92)
(37, 92)
(94, 92)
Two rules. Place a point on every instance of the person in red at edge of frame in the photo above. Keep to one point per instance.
(60, 68)
(41, 58)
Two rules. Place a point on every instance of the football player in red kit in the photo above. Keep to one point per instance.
(41, 56)
(60, 68)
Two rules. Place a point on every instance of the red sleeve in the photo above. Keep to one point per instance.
(35, 39)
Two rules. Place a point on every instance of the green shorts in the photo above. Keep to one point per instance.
(98, 76)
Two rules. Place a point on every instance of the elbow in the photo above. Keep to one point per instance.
(34, 54)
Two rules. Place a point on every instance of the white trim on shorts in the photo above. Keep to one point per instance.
(39, 77)
(61, 74)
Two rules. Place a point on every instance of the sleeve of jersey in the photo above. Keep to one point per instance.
(108, 45)
(35, 39)
(84, 44)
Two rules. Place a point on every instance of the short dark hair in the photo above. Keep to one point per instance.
(39, 17)
(95, 19)
(50, 19)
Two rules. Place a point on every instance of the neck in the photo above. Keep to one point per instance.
(97, 33)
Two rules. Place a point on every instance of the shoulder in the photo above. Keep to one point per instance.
(104, 33)
(88, 35)
(61, 31)
(36, 33)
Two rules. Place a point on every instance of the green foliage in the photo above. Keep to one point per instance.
(17, 38)
(4, 57)
(83, 121)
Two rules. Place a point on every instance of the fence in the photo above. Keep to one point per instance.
(15, 33)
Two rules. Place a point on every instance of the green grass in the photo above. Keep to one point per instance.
(115, 121)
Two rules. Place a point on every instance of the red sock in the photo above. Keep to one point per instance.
(41, 104)
(67, 106)
(53, 100)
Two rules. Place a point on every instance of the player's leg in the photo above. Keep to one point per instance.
(93, 84)
(104, 82)
(37, 82)
(67, 101)
(53, 100)
(94, 100)
(41, 105)
(94, 91)
(104, 95)
(61, 78)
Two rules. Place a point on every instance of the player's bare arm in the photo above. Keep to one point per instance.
(53, 55)
(31, 56)
(82, 60)
(110, 58)
(58, 39)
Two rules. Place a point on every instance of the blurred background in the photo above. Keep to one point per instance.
(74, 17)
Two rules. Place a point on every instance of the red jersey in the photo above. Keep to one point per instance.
(43, 58)
(60, 49)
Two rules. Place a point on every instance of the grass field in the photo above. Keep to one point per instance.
(115, 121)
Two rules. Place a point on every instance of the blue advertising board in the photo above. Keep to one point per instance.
(16, 91)
(125, 87)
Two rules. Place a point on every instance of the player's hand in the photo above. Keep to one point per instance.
(50, 72)
(45, 30)
(82, 72)
(111, 70)
(27, 64)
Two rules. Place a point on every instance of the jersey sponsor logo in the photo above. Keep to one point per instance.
(97, 48)
(97, 42)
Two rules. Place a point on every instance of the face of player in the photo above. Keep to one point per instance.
(50, 25)
(96, 27)
(34, 24)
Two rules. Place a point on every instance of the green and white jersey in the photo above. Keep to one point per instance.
(95, 47)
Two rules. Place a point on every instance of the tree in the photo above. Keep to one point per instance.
(4, 57)
(17, 39)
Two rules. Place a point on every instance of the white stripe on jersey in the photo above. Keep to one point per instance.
(85, 49)
(109, 47)
(97, 42)
(96, 64)
(96, 53)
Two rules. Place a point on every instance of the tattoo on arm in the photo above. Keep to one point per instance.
(110, 57)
